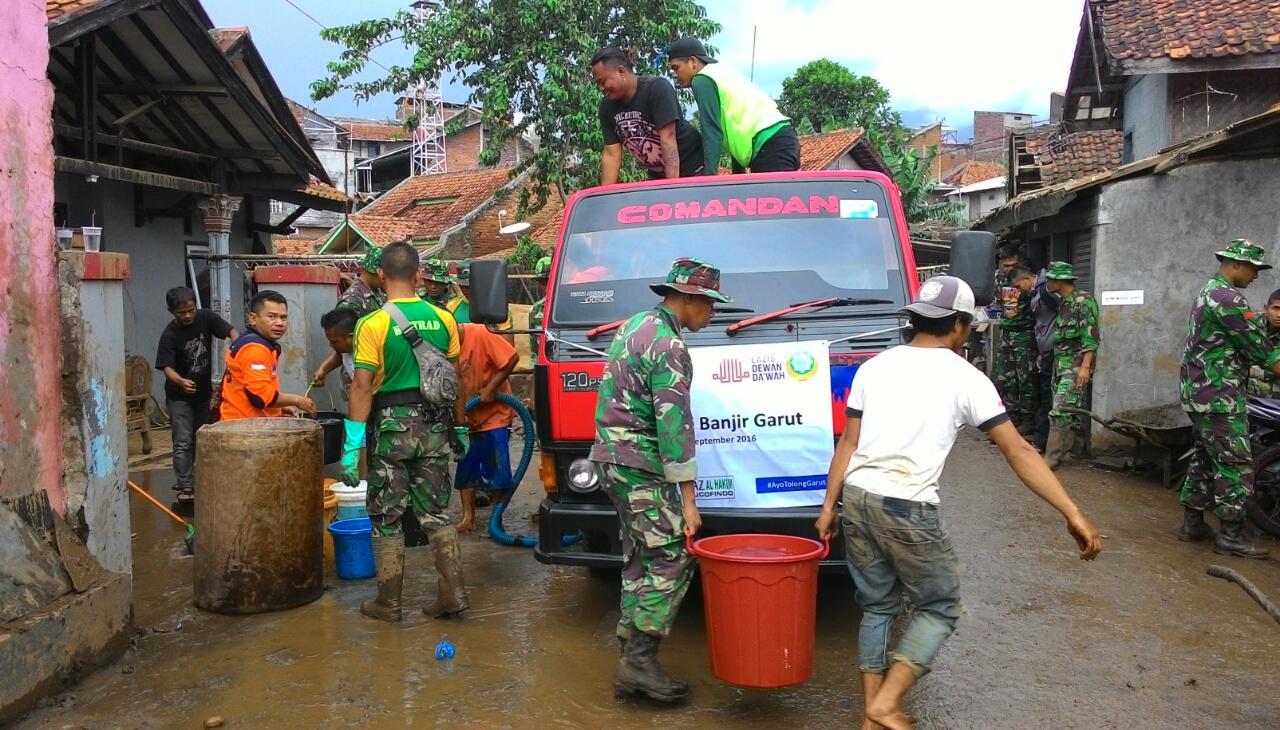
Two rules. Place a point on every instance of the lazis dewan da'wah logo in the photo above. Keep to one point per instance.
(802, 366)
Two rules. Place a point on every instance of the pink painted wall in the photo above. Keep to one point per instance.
(30, 389)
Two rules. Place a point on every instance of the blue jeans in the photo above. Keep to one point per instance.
(185, 418)
(897, 548)
(487, 463)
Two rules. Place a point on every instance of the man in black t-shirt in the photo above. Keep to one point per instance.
(641, 113)
(185, 357)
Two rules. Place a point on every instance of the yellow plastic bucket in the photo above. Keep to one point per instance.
(330, 512)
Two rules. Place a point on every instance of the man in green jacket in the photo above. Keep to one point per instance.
(736, 115)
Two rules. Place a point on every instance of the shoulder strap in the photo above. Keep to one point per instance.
(250, 337)
(407, 329)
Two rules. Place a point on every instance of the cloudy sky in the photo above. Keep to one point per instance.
(939, 59)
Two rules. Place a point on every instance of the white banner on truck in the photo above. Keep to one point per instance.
(762, 418)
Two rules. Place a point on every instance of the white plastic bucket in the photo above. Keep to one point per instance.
(351, 503)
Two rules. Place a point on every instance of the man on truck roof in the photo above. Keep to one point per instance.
(644, 448)
(905, 408)
(737, 116)
(641, 114)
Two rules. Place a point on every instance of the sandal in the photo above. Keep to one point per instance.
(186, 495)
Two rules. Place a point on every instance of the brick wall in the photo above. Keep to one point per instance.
(463, 150)
(988, 128)
(924, 139)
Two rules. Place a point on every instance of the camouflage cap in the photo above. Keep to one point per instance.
(463, 277)
(1244, 250)
(1060, 270)
(691, 276)
(543, 267)
(371, 260)
(437, 271)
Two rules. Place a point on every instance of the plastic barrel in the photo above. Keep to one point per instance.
(353, 548)
(760, 594)
(259, 540)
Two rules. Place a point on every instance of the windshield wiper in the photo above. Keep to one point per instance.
(598, 330)
(826, 303)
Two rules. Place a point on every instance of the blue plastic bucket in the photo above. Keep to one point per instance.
(353, 548)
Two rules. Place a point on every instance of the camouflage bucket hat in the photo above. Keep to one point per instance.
(371, 260)
(1060, 270)
(543, 267)
(437, 271)
(1246, 251)
(464, 273)
(691, 276)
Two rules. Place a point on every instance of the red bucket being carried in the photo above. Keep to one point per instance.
(761, 596)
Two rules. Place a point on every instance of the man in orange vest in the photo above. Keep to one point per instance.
(251, 386)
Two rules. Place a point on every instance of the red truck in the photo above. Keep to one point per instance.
(806, 256)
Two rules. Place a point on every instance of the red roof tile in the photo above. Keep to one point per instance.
(436, 202)
(1177, 29)
(323, 190)
(972, 171)
(381, 230)
(820, 151)
(377, 131)
(294, 246)
(226, 38)
(62, 9)
(1066, 156)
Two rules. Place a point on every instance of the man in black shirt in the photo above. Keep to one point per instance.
(641, 114)
(185, 357)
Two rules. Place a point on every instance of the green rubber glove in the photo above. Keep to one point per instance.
(351, 445)
(462, 435)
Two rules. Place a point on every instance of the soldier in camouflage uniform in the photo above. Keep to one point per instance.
(644, 455)
(438, 283)
(1263, 383)
(1223, 341)
(542, 270)
(365, 295)
(1075, 347)
(1015, 373)
(409, 442)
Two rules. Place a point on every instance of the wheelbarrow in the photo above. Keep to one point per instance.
(1161, 437)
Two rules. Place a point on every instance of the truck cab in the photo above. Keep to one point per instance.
(806, 256)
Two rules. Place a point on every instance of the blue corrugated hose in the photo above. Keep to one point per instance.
(496, 531)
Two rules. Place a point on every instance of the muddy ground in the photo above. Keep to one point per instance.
(1140, 638)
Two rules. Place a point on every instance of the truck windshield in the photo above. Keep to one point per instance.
(776, 244)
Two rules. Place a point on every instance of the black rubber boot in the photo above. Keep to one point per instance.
(451, 593)
(640, 673)
(1194, 528)
(388, 557)
(1232, 541)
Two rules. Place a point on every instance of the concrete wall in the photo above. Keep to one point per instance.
(1146, 114)
(1205, 102)
(982, 202)
(1158, 234)
(157, 253)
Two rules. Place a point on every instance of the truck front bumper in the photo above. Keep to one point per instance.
(601, 546)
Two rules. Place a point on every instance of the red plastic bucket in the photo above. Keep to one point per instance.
(761, 600)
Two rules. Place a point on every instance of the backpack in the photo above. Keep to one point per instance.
(437, 377)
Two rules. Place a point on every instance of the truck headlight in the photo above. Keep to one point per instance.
(582, 476)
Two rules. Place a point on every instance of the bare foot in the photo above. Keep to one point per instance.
(466, 526)
(890, 716)
(867, 724)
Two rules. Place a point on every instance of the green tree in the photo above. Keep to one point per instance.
(526, 254)
(824, 95)
(913, 174)
(525, 64)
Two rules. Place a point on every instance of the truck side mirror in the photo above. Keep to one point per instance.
(973, 259)
(489, 291)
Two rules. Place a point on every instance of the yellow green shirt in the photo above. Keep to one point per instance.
(390, 358)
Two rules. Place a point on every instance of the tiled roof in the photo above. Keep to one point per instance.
(294, 246)
(381, 230)
(972, 171)
(226, 38)
(445, 199)
(819, 151)
(61, 9)
(1066, 156)
(1176, 29)
(323, 190)
(377, 131)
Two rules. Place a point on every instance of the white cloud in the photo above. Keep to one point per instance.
(953, 57)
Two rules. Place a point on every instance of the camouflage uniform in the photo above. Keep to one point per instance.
(437, 271)
(1076, 333)
(1015, 367)
(408, 465)
(1222, 343)
(644, 447)
(1264, 383)
(362, 300)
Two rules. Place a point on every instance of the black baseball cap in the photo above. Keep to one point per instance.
(686, 47)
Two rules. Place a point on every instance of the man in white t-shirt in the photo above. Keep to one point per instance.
(905, 408)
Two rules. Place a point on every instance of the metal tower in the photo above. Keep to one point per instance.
(426, 157)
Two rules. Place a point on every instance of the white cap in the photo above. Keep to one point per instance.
(942, 296)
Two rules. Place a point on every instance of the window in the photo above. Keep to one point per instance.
(423, 202)
(1128, 146)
